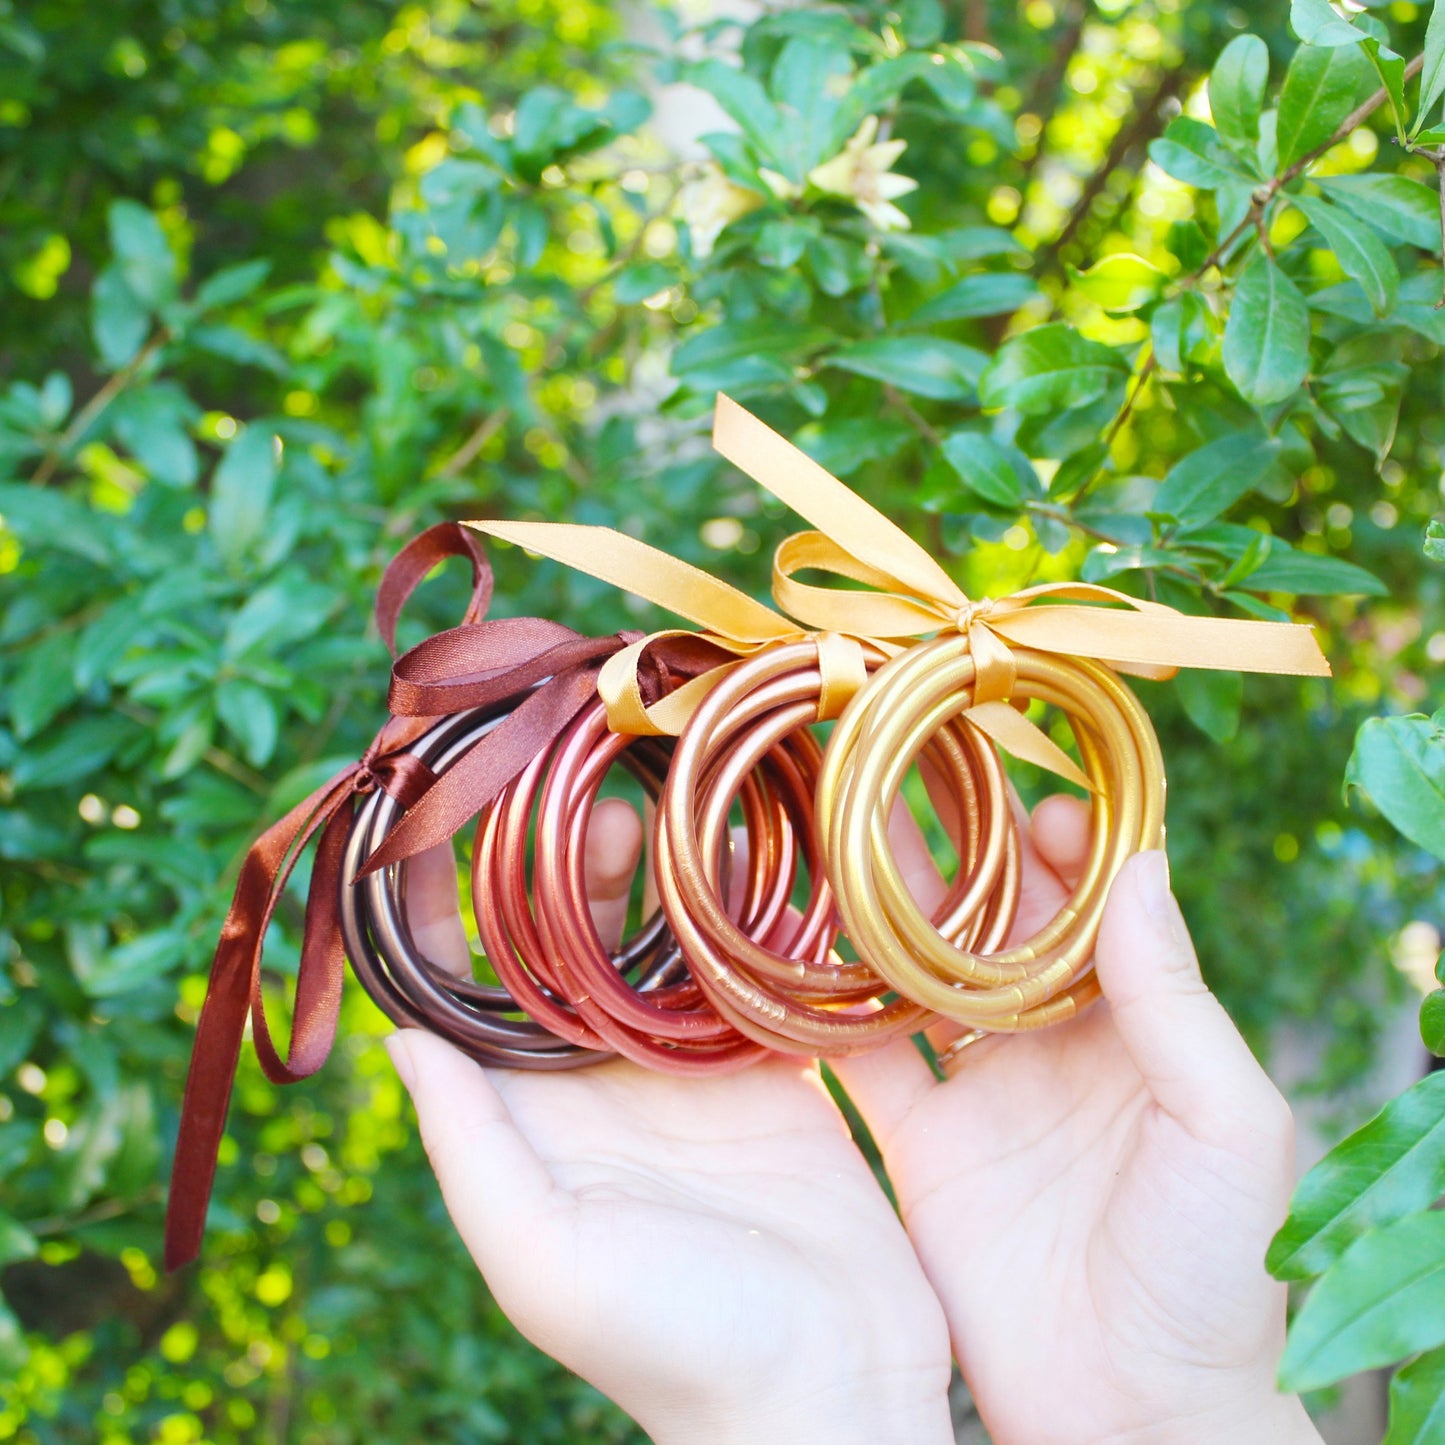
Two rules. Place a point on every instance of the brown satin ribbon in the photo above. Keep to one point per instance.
(469, 666)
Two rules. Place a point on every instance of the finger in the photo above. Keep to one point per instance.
(1061, 830)
(885, 1085)
(433, 910)
(1187, 1049)
(1041, 894)
(614, 844)
(491, 1178)
(915, 861)
(739, 858)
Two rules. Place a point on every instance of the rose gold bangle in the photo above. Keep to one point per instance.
(1048, 977)
(790, 990)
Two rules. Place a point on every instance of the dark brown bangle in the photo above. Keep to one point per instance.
(483, 1021)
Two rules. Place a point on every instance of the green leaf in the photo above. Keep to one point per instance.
(119, 320)
(241, 491)
(142, 253)
(1050, 368)
(925, 365)
(249, 712)
(19, 1024)
(1181, 329)
(44, 517)
(1316, 22)
(1400, 763)
(1383, 1300)
(1267, 336)
(748, 105)
(843, 446)
(1432, 1022)
(1365, 400)
(712, 353)
(16, 1242)
(231, 284)
(1321, 87)
(1391, 1167)
(43, 685)
(1402, 208)
(1359, 251)
(807, 79)
(1212, 478)
(1211, 700)
(1432, 74)
(1434, 546)
(1000, 474)
(1417, 1402)
(1119, 283)
(992, 293)
(1307, 574)
(76, 751)
(1192, 152)
(151, 424)
(637, 283)
(1236, 89)
(1391, 70)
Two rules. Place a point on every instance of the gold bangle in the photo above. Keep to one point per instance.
(1048, 977)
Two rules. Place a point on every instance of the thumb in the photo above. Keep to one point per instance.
(494, 1184)
(1193, 1059)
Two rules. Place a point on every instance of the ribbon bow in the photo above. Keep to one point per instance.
(916, 597)
(476, 664)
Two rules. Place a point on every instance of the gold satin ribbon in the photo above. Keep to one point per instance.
(730, 619)
(916, 597)
(913, 597)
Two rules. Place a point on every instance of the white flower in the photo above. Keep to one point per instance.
(709, 202)
(860, 171)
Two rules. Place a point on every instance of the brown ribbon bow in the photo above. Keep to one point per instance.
(476, 664)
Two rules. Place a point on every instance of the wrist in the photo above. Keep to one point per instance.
(858, 1415)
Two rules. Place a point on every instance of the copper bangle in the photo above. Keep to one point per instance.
(539, 934)
(788, 988)
(1048, 977)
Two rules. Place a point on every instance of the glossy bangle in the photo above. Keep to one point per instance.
(789, 989)
(479, 1019)
(539, 934)
(1048, 977)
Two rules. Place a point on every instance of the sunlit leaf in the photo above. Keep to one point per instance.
(1383, 1300)
(1393, 1166)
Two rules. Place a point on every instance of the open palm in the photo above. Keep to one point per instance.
(1093, 1203)
(712, 1253)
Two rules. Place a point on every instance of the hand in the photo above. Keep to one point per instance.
(714, 1254)
(1093, 1202)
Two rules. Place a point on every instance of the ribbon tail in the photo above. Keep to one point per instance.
(1016, 735)
(321, 973)
(222, 1025)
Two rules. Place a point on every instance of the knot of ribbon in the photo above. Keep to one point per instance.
(477, 664)
(910, 596)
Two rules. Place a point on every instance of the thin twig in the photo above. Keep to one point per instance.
(86, 416)
(469, 450)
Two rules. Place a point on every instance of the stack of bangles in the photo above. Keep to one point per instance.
(783, 924)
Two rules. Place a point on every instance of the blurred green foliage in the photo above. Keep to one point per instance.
(284, 283)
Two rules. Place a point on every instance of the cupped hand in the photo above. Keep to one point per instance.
(712, 1253)
(1093, 1202)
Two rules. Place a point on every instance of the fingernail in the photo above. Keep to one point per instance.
(401, 1059)
(1152, 878)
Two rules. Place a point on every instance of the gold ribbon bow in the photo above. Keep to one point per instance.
(913, 597)
(731, 620)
